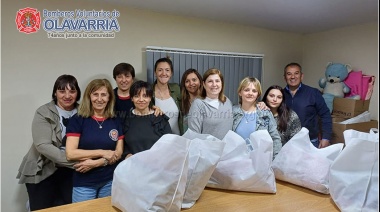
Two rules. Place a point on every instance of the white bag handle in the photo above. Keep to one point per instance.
(373, 131)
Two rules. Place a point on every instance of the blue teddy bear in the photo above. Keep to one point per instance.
(333, 85)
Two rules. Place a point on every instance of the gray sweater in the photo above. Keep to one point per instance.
(294, 126)
(44, 155)
(205, 119)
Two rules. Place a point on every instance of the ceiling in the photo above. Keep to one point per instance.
(297, 16)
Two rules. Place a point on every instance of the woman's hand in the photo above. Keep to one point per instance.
(111, 156)
(157, 111)
(129, 155)
(87, 165)
(262, 106)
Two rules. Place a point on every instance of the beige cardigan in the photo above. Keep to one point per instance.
(44, 155)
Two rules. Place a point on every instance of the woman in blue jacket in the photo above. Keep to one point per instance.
(248, 117)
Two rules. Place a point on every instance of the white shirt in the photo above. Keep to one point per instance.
(171, 110)
(64, 114)
(213, 102)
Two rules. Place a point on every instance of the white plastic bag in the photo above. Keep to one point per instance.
(155, 179)
(364, 117)
(204, 154)
(300, 163)
(244, 170)
(354, 175)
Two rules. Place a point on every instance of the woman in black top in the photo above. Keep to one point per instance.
(141, 127)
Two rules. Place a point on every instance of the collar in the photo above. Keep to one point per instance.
(212, 102)
(287, 87)
(52, 107)
(237, 109)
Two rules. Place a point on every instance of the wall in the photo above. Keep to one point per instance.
(356, 45)
(31, 63)
(0, 104)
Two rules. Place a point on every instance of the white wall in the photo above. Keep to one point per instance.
(31, 63)
(356, 45)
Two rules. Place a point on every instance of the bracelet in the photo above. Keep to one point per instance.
(105, 162)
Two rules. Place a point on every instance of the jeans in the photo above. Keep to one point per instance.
(315, 142)
(81, 194)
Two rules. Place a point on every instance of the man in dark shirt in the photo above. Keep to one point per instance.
(309, 105)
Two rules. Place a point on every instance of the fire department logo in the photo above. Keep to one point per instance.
(28, 20)
(114, 134)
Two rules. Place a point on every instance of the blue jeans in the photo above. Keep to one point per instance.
(81, 194)
(315, 142)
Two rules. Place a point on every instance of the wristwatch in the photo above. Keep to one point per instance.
(105, 162)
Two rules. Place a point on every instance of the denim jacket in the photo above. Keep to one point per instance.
(264, 121)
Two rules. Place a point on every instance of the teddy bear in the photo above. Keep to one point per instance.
(333, 85)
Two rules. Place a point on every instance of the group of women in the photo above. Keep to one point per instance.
(76, 147)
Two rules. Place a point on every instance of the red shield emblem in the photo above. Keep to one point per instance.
(28, 20)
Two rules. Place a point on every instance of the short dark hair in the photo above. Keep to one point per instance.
(62, 83)
(140, 85)
(164, 60)
(292, 64)
(123, 68)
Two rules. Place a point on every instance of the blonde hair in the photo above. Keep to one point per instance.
(85, 108)
(213, 71)
(245, 82)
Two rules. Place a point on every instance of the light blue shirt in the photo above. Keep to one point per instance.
(247, 125)
(264, 121)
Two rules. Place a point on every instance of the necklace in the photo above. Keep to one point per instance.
(100, 125)
(159, 92)
(246, 118)
(249, 116)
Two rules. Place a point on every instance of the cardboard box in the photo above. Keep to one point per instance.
(348, 108)
(338, 129)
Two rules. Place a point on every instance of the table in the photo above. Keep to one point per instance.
(289, 197)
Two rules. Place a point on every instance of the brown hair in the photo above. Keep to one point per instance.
(184, 93)
(164, 60)
(283, 110)
(213, 71)
(85, 108)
